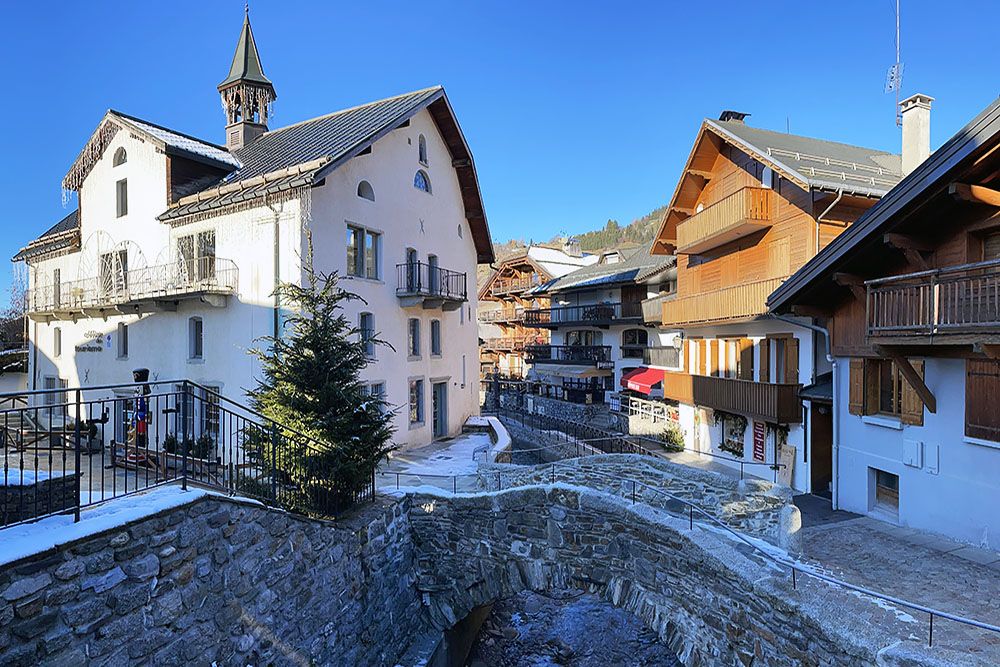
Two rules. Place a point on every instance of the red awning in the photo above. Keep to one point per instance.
(642, 379)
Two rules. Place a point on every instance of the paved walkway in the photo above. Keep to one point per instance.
(913, 565)
(447, 464)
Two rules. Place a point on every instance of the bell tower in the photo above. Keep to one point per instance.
(246, 93)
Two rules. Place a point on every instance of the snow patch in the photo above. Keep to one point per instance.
(18, 477)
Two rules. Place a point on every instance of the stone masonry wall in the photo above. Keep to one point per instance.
(754, 507)
(19, 502)
(218, 581)
(709, 602)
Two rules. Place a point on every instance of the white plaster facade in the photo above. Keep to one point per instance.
(267, 244)
(947, 480)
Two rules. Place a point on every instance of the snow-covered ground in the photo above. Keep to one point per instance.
(31, 538)
(449, 465)
(18, 477)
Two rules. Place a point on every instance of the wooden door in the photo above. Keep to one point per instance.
(821, 450)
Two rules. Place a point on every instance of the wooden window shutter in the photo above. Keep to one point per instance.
(702, 357)
(714, 348)
(686, 359)
(991, 247)
(912, 408)
(746, 359)
(765, 360)
(791, 360)
(871, 376)
(982, 411)
(856, 398)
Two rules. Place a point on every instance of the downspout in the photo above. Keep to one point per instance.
(819, 218)
(835, 416)
(276, 313)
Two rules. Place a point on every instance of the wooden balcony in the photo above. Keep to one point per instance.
(740, 302)
(742, 213)
(514, 285)
(775, 403)
(949, 306)
(661, 357)
(652, 308)
(510, 343)
(501, 315)
(600, 314)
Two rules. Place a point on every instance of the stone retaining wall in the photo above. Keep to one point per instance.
(218, 581)
(754, 507)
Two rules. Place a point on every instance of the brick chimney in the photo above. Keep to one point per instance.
(916, 113)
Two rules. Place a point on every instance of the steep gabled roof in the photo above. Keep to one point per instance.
(806, 161)
(863, 241)
(246, 61)
(302, 154)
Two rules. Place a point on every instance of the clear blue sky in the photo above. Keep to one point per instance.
(575, 112)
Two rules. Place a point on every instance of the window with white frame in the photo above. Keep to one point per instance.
(436, 338)
(196, 338)
(416, 401)
(210, 412)
(366, 327)
(413, 345)
(121, 198)
(364, 249)
(57, 342)
(196, 255)
(122, 340)
(376, 390)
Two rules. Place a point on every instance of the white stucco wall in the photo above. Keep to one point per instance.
(951, 487)
(159, 341)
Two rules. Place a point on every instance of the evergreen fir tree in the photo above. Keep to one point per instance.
(310, 385)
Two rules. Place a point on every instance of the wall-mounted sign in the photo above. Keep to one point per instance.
(759, 438)
(94, 343)
(605, 364)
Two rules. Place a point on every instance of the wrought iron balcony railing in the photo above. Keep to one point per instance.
(418, 279)
(116, 288)
(598, 313)
(569, 354)
(961, 299)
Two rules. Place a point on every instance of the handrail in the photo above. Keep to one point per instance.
(944, 270)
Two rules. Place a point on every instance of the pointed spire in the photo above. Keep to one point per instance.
(246, 61)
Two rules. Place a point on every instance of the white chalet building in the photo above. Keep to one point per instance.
(171, 260)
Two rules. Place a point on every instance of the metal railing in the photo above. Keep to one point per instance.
(570, 354)
(597, 313)
(422, 279)
(103, 442)
(951, 300)
(744, 211)
(194, 276)
(654, 412)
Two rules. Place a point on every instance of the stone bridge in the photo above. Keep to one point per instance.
(231, 582)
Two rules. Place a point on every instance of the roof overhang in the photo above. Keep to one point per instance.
(929, 179)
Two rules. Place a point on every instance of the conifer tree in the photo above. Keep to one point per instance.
(310, 384)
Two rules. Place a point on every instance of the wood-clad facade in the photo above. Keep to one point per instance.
(741, 222)
(911, 298)
(505, 354)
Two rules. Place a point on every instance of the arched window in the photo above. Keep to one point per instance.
(365, 191)
(421, 181)
(120, 157)
(633, 343)
(422, 149)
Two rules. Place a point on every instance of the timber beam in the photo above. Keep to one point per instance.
(992, 351)
(812, 311)
(912, 377)
(855, 283)
(977, 194)
(913, 249)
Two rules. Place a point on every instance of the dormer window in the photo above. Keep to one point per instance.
(422, 149)
(120, 157)
(421, 181)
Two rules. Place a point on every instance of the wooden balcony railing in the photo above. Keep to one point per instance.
(652, 308)
(569, 354)
(729, 303)
(511, 343)
(511, 285)
(502, 315)
(599, 313)
(742, 213)
(662, 357)
(772, 402)
(943, 302)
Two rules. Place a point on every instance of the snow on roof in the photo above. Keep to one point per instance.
(557, 262)
(181, 141)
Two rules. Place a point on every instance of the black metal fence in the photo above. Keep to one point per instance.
(116, 440)
(570, 354)
(418, 278)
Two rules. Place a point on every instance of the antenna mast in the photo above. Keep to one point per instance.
(894, 78)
